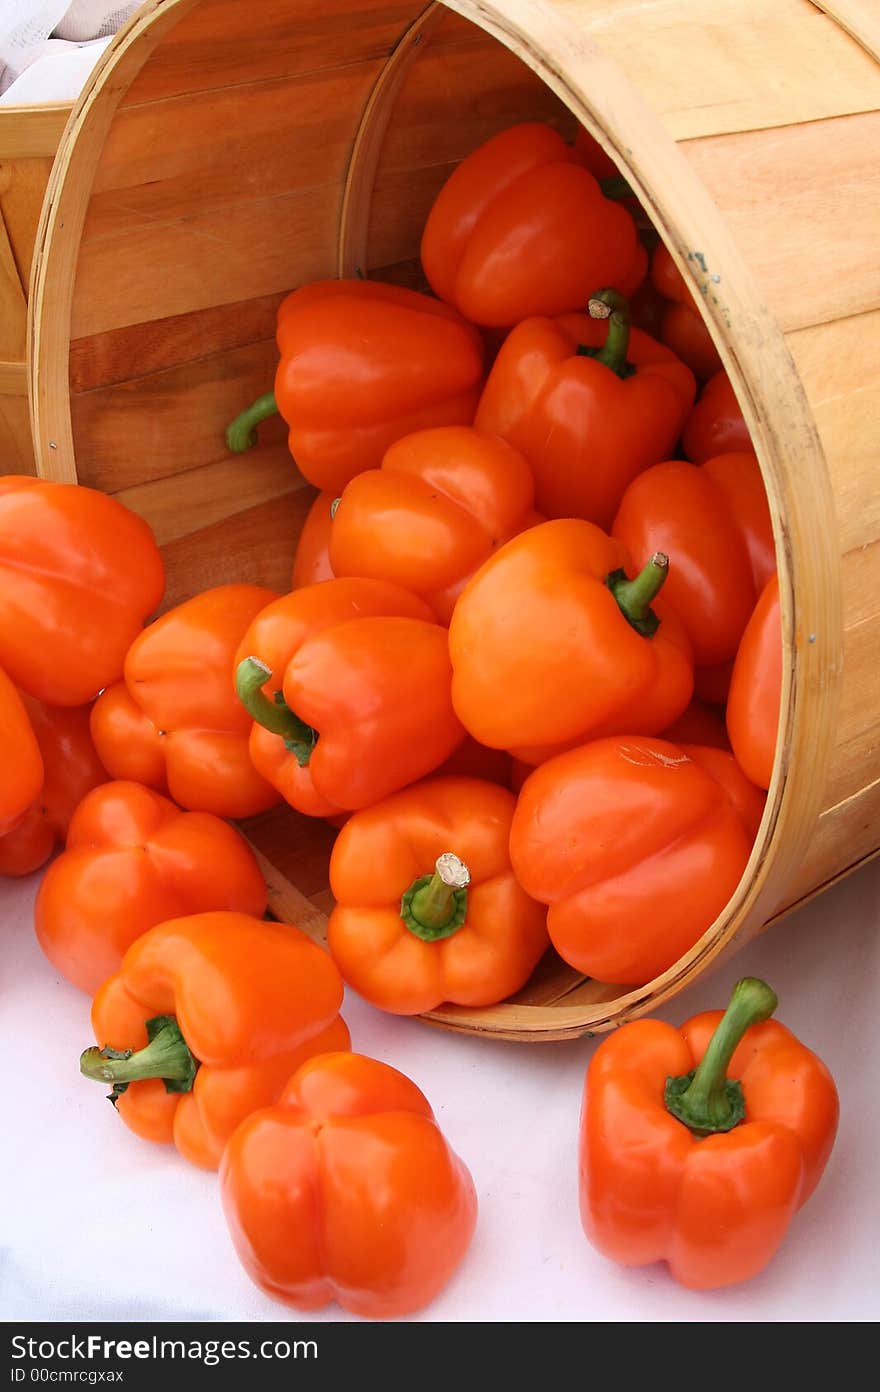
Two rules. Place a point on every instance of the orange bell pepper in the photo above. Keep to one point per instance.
(521, 228)
(348, 684)
(174, 722)
(746, 800)
(362, 364)
(756, 689)
(72, 770)
(347, 1191)
(715, 425)
(79, 574)
(635, 847)
(20, 753)
(427, 906)
(441, 503)
(699, 1145)
(205, 1021)
(589, 402)
(681, 327)
(132, 860)
(714, 524)
(311, 561)
(551, 643)
(698, 724)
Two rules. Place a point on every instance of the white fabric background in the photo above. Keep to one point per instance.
(49, 47)
(95, 1224)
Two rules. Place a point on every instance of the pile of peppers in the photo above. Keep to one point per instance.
(529, 666)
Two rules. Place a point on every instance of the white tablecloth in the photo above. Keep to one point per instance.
(95, 1224)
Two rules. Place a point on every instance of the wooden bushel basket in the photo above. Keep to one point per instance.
(225, 152)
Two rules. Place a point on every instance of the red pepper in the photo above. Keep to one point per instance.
(699, 1145)
(714, 524)
(636, 849)
(311, 561)
(589, 403)
(756, 689)
(441, 503)
(349, 686)
(174, 722)
(79, 574)
(715, 425)
(20, 753)
(347, 1191)
(682, 329)
(362, 364)
(72, 770)
(522, 228)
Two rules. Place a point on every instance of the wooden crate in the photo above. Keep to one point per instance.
(216, 161)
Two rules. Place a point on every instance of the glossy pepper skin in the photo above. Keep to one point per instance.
(441, 503)
(252, 1000)
(174, 722)
(22, 761)
(714, 1206)
(539, 624)
(585, 430)
(72, 770)
(132, 860)
(521, 227)
(715, 425)
(79, 575)
(714, 524)
(408, 936)
(681, 327)
(311, 561)
(756, 689)
(607, 835)
(397, 1208)
(364, 680)
(362, 364)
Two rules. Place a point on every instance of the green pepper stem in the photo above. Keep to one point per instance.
(241, 433)
(634, 597)
(616, 186)
(167, 1056)
(705, 1099)
(276, 716)
(435, 906)
(611, 305)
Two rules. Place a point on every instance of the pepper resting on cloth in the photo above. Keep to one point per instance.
(699, 1145)
(362, 364)
(590, 402)
(346, 1190)
(439, 506)
(427, 906)
(173, 722)
(132, 860)
(205, 1021)
(79, 574)
(521, 227)
(349, 686)
(72, 770)
(552, 624)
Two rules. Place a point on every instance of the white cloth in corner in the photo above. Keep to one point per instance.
(49, 47)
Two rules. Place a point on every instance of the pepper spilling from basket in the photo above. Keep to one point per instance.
(529, 667)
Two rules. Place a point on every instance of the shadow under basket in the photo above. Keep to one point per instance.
(223, 154)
